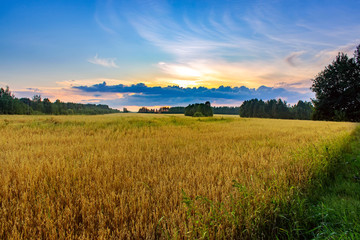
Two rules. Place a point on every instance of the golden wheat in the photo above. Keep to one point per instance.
(121, 176)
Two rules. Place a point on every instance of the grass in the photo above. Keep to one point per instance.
(144, 176)
(334, 209)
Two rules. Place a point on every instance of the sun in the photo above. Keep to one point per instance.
(185, 83)
(186, 72)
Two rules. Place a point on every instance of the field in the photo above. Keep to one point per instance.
(144, 176)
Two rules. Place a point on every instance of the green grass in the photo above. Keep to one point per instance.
(336, 205)
(329, 208)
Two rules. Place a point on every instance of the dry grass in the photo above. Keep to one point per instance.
(121, 176)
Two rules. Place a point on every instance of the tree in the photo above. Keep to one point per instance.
(144, 110)
(337, 89)
(302, 110)
(47, 106)
(226, 110)
(6, 101)
(9, 104)
(204, 109)
(275, 109)
(177, 110)
(37, 104)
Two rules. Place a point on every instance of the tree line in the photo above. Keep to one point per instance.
(9, 104)
(250, 108)
(153, 110)
(181, 110)
(226, 110)
(276, 109)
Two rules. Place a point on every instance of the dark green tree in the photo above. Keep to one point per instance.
(226, 110)
(6, 101)
(337, 90)
(275, 109)
(47, 106)
(197, 108)
(9, 104)
(37, 104)
(177, 110)
(302, 110)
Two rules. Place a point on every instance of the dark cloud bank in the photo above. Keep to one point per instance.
(142, 95)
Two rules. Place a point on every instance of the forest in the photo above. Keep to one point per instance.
(9, 104)
(276, 109)
(181, 110)
(273, 108)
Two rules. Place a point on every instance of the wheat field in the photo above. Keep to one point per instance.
(138, 176)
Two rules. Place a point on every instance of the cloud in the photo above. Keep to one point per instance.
(213, 73)
(35, 90)
(292, 59)
(251, 31)
(105, 62)
(92, 81)
(102, 26)
(142, 95)
(249, 43)
(184, 33)
(326, 56)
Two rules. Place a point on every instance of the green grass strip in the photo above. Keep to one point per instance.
(335, 207)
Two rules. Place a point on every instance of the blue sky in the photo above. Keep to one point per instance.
(67, 49)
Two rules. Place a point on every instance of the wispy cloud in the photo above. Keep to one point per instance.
(292, 58)
(251, 31)
(92, 81)
(244, 43)
(105, 62)
(326, 56)
(103, 26)
(175, 31)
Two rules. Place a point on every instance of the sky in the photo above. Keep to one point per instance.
(171, 53)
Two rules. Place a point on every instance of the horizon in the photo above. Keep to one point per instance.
(256, 93)
(134, 54)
